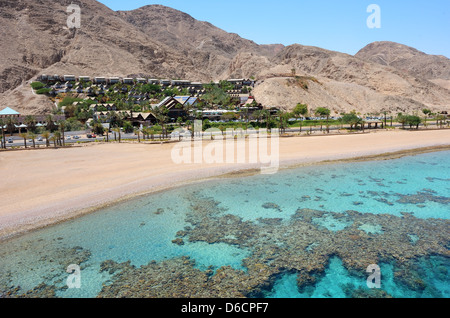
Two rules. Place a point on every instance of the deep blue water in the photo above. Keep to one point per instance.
(143, 229)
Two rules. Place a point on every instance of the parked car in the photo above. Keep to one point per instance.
(76, 137)
(39, 138)
(68, 138)
(10, 140)
(94, 136)
(89, 135)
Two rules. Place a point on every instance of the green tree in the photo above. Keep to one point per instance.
(24, 136)
(413, 121)
(51, 126)
(137, 132)
(351, 119)
(162, 118)
(283, 121)
(32, 136)
(11, 124)
(402, 119)
(57, 138)
(62, 127)
(179, 121)
(30, 121)
(128, 127)
(300, 111)
(2, 127)
(98, 129)
(324, 112)
(46, 136)
(117, 130)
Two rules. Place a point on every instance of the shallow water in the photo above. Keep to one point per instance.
(304, 232)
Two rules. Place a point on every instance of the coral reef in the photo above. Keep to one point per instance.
(287, 246)
(298, 244)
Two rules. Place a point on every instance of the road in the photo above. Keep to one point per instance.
(69, 136)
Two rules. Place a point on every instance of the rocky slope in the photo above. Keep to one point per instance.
(407, 59)
(39, 42)
(344, 83)
(162, 42)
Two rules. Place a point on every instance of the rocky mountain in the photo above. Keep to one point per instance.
(162, 42)
(344, 83)
(181, 31)
(435, 68)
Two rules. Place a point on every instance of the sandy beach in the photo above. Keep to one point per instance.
(45, 186)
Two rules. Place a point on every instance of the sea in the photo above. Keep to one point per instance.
(339, 230)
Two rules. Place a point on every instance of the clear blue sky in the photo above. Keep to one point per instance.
(338, 25)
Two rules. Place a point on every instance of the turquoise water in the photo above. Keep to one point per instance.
(304, 232)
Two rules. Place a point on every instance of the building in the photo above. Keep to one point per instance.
(175, 107)
(140, 118)
(114, 80)
(165, 82)
(84, 78)
(187, 101)
(9, 112)
(181, 83)
(69, 78)
(100, 80)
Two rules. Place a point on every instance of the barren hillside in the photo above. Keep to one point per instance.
(346, 83)
(161, 42)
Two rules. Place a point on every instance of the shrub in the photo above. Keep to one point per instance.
(37, 85)
(43, 91)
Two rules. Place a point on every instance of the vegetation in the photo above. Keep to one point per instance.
(300, 111)
(324, 112)
(43, 91)
(410, 120)
(37, 85)
(351, 119)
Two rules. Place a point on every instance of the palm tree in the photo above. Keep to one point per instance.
(32, 136)
(24, 136)
(106, 130)
(283, 121)
(57, 137)
(322, 111)
(145, 132)
(10, 124)
(62, 126)
(46, 135)
(138, 133)
(30, 121)
(53, 138)
(2, 127)
(51, 123)
(300, 110)
(117, 130)
(268, 115)
(161, 117)
(258, 114)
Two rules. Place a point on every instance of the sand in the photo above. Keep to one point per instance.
(46, 186)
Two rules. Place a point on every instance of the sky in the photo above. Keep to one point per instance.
(338, 25)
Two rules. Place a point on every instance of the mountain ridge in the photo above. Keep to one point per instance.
(162, 42)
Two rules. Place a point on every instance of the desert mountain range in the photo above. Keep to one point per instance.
(160, 42)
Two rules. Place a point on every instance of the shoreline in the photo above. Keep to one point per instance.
(61, 210)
